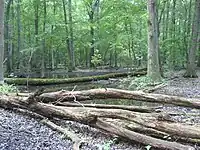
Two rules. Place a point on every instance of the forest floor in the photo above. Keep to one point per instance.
(24, 133)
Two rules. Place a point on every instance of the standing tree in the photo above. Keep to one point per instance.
(153, 69)
(1, 40)
(71, 36)
(191, 66)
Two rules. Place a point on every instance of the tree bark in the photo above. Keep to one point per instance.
(95, 117)
(1, 40)
(71, 36)
(119, 94)
(191, 66)
(153, 69)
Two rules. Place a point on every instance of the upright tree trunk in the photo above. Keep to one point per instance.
(18, 33)
(191, 66)
(91, 17)
(71, 36)
(36, 11)
(1, 40)
(198, 48)
(8, 44)
(68, 43)
(153, 69)
(52, 31)
(44, 41)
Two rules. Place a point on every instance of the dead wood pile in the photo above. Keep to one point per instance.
(146, 125)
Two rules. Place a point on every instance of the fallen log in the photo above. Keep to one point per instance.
(140, 138)
(153, 120)
(50, 81)
(141, 109)
(110, 93)
(161, 135)
(91, 117)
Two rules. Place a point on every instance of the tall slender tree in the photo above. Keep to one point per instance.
(1, 40)
(71, 36)
(7, 37)
(153, 69)
(19, 28)
(44, 39)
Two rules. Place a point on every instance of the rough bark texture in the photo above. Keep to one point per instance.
(1, 40)
(115, 121)
(153, 69)
(191, 66)
(111, 93)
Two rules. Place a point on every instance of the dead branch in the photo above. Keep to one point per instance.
(68, 134)
(111, 93)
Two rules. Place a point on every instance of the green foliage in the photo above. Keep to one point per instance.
(106, 145)
(143, 82)
(119, 28)
(97, 59)
(5, 89)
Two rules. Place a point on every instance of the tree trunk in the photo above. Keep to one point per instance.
(18, 33)
(68, 43)
(110, 93)
(98, 118)
(191, 66)
(153, 69)
(91, 19)
(8, 44)
(1, 40)
(71, 36)
(44, 41)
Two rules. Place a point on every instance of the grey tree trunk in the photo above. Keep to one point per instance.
(18, 33)
(191, 66)
(8, 44)
(153, 69)
(44, 42)
(91, 17)
(1, 40)
(70, 68)
(71, 38)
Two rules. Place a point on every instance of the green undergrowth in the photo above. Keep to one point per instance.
(6, 89)
(138, 83)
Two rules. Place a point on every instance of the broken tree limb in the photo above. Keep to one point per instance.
(91, 118)
(155, 88)
(111, 93)
(161, 135)
(146, 140)
(67, 134)
(141, 109)
(87, 116)
(144, 119)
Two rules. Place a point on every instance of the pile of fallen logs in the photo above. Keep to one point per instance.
(146, 125)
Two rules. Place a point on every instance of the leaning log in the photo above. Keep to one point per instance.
(110, 93)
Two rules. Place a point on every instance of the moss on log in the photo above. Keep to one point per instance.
(49, 81)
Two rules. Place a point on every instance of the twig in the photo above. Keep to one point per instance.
(68, 134)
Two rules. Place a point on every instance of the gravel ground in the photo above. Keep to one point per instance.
(18, 132)
(184, 87)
